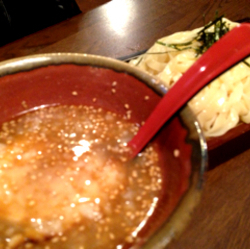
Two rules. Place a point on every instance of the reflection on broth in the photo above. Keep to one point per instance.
(65, 181)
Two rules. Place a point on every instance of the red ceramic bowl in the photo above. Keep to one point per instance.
(49, 79)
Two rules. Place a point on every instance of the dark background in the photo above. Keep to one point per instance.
(22, 17)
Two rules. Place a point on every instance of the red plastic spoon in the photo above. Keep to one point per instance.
(230, 49)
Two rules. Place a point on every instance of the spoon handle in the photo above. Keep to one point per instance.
(230, 49)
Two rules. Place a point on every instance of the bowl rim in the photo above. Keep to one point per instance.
(179, 219)
(26, 63)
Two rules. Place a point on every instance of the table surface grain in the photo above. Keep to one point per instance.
(121, 27)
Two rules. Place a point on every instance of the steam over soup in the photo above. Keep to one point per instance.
(65, 181)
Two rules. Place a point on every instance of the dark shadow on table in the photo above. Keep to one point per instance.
(19, 18)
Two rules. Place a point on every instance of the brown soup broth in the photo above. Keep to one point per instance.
(65, 181)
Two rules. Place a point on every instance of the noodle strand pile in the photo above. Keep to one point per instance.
(221, 105)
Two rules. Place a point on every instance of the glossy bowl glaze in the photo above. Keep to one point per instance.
(79, 79)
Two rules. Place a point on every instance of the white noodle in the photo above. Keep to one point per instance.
(220, 106)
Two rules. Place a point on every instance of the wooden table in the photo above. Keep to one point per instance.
(121, 27)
